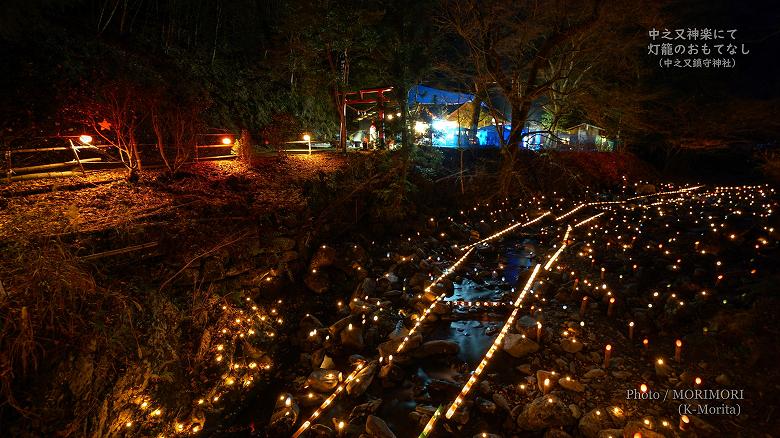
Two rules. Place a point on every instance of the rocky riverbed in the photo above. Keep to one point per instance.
(654, 293)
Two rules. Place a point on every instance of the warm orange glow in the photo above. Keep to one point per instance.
(306, 137)
(86, 139)
(227, 140)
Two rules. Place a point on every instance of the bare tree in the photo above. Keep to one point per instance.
(115, 115)
(175, 130)
(520, 46)
(556, 55)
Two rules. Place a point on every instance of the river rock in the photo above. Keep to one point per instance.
(391, 374)
(352, 338)
(327, 363)
(662, 368)
(610, 433)
(570, 384)
(321, 431)
(545, 412)
(425, 410)
(526, 325)
(595, 373)
(437, 348)
(317, 282)
(702, 427)
(441, 288)
(367, 287)
(485, 406)
(501, 401)
(571, 345)
(622, 375)
(312, 399)
(377, 428)
(391, 346)
(518, 346)
(723, 379)
(323, 380)
(282, 244)
(340, 324)
(541, 376)
(393, 295)
(440, 308)
(362, 381)
(399, 331)
(325, 256)
(419, 279)
(288, 256)
(285, 415)
(575, 411)
(556, 433)
(438, 388)
(634, 427)
(309, 323)
(364, 409)
(594, 421)
(462, 415)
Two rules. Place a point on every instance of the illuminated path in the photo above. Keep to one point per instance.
(518, 304)
(507, 325)
(446, 273)
(429, 427)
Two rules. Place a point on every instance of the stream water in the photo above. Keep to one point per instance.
(474, 330)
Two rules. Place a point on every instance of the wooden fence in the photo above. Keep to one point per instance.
(79, 164)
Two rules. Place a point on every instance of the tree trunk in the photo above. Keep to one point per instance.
(157, 127)
(462, 187)
(475, 114)
(509, 149)
(404, 127)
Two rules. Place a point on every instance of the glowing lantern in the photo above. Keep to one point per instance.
(86, 139)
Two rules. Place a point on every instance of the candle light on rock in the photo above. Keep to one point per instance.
(684, 422)
(538, 331)
(677, 350)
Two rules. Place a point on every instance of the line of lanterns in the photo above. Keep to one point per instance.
(447, 272)
(518, 304)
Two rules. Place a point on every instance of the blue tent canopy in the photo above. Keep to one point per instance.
(422, 95)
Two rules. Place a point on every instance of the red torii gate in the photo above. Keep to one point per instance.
(365, 96)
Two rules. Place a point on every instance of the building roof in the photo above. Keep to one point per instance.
(423, 95)
(586, 127)
(465, 112)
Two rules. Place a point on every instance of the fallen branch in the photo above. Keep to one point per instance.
(204, 254)
(119, 251)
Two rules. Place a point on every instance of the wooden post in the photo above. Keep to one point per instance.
(381, 127)
(9, 171)
(76, 154)
(343, 123)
